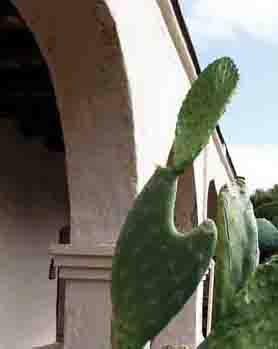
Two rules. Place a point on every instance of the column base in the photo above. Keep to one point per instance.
(88, 310)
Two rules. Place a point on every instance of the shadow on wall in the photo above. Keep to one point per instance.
(34, 201)
(33, 207)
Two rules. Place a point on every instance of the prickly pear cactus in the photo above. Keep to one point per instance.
(156, 268)
(237, 246)
(252, 319)
(202, 108)
(268, 211)
(268, 236)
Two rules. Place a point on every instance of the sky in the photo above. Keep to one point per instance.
(247, 31)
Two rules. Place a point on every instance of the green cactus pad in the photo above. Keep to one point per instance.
(155, 268)
(268, 210)
(237, 246)
(201, 110)
(268, 235)
(252, 319)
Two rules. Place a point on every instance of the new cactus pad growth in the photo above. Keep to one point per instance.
(252, 319)
(237, 246)
(155, 267)
(202, 108)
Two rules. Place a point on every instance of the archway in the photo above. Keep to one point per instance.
(81, 45)
(34, 201)
(88, 71)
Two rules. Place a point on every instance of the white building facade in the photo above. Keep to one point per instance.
(120, 70)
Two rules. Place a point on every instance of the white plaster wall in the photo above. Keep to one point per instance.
(80, 45)
(100, 125)
(216, 167)
(210, 165)
(33, 207)
(157, 79)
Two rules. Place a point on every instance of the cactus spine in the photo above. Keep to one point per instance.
(156, 268)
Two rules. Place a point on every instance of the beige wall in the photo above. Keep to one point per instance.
(33, 207)
(157, 79)
(106, 121)
(211, 164)
(118, 110)
(82, 49)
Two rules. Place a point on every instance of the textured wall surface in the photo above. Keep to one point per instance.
(115, 135)
(81, 46)
(157, 79)
(209, 166)
(33, 207)
(118, 110)
(89, 329)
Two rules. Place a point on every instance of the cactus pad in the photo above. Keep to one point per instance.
(203, 106)
(268, 235)
(237, 246)
(155, 268)
(268, 210)
(252, 319)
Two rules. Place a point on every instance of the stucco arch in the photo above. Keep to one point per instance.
(82, 49)
(111, 148)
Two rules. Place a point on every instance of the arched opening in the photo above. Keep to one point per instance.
(209, 279)
(85, 59)
(34, 203)
(84, 55)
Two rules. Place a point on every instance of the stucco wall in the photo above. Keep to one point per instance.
(211, 164)
(33, 207)
(101, 123)
(217, 163)
(157, 79)
(118, 111)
